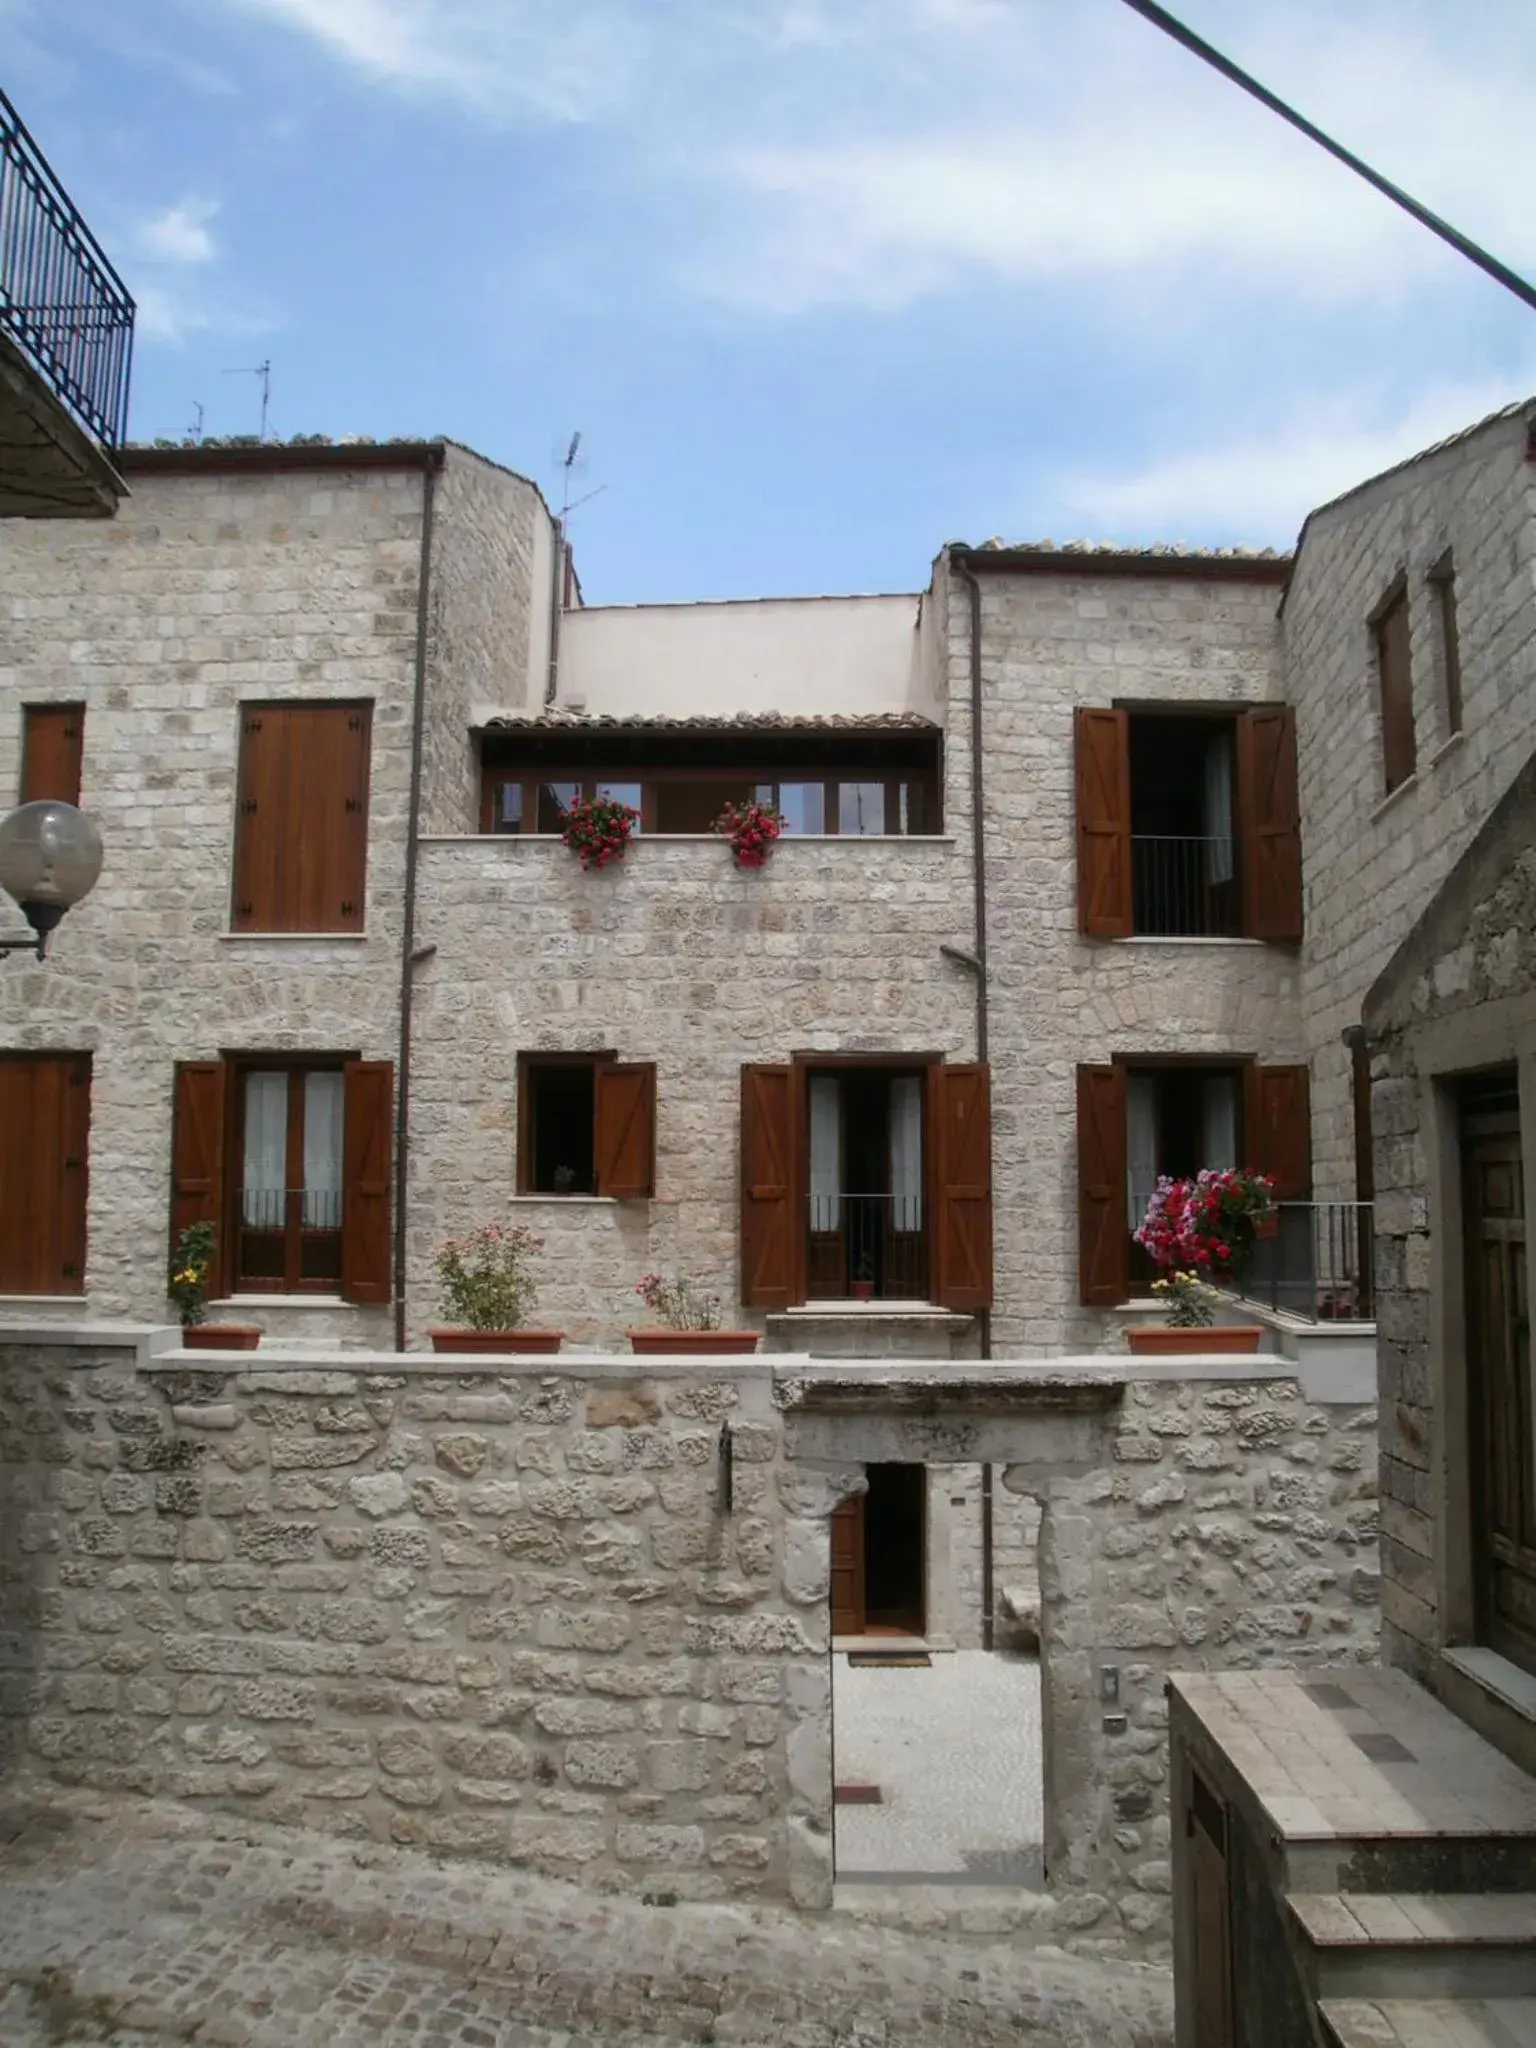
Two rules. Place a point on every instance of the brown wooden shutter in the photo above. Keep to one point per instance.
(52, 746)
(625, 1142)
(367, 1149)
(75, 1179)
(960, 1137)
(1103, 1234)
(1103, 823)
(301, 825)
(848, 1608)
(1269, 822)
(1277, 1128)
(772, 1226)
(45, 1106)
(1394, 669)
(197, 1155)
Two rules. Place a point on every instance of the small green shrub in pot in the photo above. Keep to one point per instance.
(485, 1279)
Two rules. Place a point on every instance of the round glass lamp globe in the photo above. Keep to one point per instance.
(50, 853)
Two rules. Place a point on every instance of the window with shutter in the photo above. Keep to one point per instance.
(770, 1238)
(52, 748)
(1269, 820)
(960, 1121)
(45, 1112)
(1394, 676)
(368, 1152)
(1103, 1242)
(1103, 823)
(625, 1135)
(197, 1156)
(1442, 581)
(1277, 1128)
(301, 825)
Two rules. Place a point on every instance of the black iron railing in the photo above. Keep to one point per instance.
(267, 1208)
(874, 1245)
(1184, 888)
(1317, 1264)
(61, 301)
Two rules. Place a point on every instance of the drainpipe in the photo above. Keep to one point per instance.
(979, 896)
(408, 953)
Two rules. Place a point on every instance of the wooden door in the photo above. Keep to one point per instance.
(1210, 1918)
(1499, 1389)
(848, 1615)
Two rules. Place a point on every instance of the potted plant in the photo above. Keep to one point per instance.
(597, 829)
(690, 1319)
(862, 1285)
(1197, 1232)
(189, 1290)
(752, 829)
(486, 1284)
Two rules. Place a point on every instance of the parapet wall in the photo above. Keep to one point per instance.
(578, 1619)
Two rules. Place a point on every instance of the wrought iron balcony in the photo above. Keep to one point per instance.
(875, 1246)
(66, 343)
(1318, 1263)
(1184, 888)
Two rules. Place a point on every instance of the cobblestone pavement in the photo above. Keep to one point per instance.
(143, 1927)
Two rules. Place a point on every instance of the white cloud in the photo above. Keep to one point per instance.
(166, 315)
(1257, 487)
(178, 234)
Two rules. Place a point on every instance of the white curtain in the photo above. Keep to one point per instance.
(1220, 865)
(323, 1100)
(1141, 1146)
(826, 1152)
(907, 1152)
(1219, 1137)
(266, 1150)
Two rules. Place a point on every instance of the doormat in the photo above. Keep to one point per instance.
(889, 1660)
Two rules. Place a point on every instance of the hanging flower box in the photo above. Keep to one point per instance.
(597, 829)
(752, 828)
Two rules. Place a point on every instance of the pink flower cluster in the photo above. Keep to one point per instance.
(1206, 1225)
(751, 828)
(597, 829)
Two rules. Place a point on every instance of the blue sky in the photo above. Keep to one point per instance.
(823, 283)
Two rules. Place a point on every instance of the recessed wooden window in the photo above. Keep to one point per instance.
(1394, 680)
(52, 749)
(1442, 584)
(586, 1125)
(301, 825)
(45, 1116)
(290, 1160)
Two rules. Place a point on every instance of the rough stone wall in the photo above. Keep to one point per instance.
(1371, 864)
(672, 955)
(205, 591)
(1052, 643)
(485, 613)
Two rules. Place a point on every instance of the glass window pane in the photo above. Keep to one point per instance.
(861, 808)
(266, 1150)
(323, 1093)
(507, 807)
(804, 805)
(624, 793)
(555, 798)
(913, 808)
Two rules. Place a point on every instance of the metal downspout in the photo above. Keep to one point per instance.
(408, 920)
(979, 895)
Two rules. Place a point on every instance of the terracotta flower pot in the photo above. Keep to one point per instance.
(220, 1336)
(693, 1343)
(496, 1340)
(862, 1290)
(1160, 1340)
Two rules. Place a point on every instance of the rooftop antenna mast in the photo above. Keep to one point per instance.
(195, 431)
(568, 465)
(264, 372)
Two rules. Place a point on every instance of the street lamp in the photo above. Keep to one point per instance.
(50, 856)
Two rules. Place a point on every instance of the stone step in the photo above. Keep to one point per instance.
(1425, 1945)
(1430, 2022)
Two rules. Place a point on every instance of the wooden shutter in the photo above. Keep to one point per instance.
(772, 1225)
(1269, 822)
(1210, 1919)
(848, 1596)
(45, 1107)
(1103, 1234)
(960, 1137)
(301, 825)
(1277, 1128)
(625, 1141)
(197, 1155)
(367, 1148)
(52, 745)
(1103, 823)
(1395, 675)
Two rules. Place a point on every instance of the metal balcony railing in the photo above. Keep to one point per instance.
(1184, 888)
(61, 301)
(1318, 1263)
(877, 1243)
(267, 1208)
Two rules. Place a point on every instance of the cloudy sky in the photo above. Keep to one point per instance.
(823, 283)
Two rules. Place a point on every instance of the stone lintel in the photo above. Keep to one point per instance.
(947, 1394)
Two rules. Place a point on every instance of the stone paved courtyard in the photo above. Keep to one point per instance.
(153, 1926)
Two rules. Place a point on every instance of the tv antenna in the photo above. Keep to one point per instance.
(195, 431)
(264, 372)
(568, 465)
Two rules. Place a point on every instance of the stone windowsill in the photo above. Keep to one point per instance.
(281, 1301)
(1395, 797)
(571, 1201)
(892, 1311)
(293, 938)
(1180, 939)
(1447, 749)
(42, 1301)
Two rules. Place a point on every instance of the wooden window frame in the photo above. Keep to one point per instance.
(1441, 579)
(239, 1066)
(248, 912)
(1399, 737)
(493, 779)
(643, 1187)
(68, 722)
